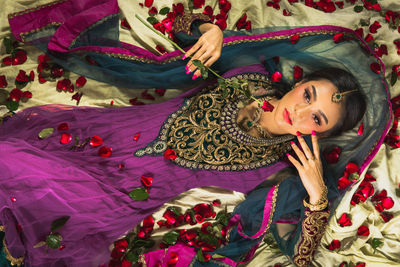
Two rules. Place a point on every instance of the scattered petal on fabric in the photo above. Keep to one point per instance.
(337, 38)
(386, 216)
(125, 24)
(363, 231)
(208, 11)
(153, 11)
(343, 182)
(43, 58)
(65, 85)
(3, 81)
(294, 39)
(276, 77)
(216, 202)
(198, 3)
(161, 49)
(170, 154)
(81, 81)
(344, 220)
(147, 96)
(297, 73)
(387, 203)
(136, 102)
(286, 12)
(16, 94)
(148, 3)
(160, 92)
(351, 168)
(360, 130)
(19, 58)
(63, 127)
(369, 38)
(7, 61)
(65, 138)
(136, 137)
(333, 155)
(146, 180)
(335, 244)
(96, 141)
(31, 76)
(22, 77)
(105, 151)
(373, 28)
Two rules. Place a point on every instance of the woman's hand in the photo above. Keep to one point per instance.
(309, 167)
(207, 49)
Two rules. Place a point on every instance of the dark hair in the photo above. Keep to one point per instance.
(354, 104)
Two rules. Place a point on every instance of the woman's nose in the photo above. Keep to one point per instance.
(300, 111)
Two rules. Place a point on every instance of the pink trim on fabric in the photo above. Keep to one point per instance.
(287, 222)
(254, 68)
(266, 216)
(77, 24)
(227, 261)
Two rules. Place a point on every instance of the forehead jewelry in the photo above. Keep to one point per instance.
(337, 97)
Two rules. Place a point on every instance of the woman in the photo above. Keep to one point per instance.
(91, 185)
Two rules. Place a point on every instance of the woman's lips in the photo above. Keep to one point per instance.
(286, 116)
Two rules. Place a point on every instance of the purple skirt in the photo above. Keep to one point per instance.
(43, 179)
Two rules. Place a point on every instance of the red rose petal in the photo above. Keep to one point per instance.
(125, 24)
(41, 79)
(208, 11)
(65, 138)
(367, 190)
(286, 12)
(27, 94)
(148, 221)
(136, 137)
(379, 207)
(81, 81)
(386, 216)
(344, 220)
(170, 154)
(161, 49)
(153, 11)
(198, 3)
(351, 168)
(267, 106)
(335, 244)
(363, 230)
(135, 102)
(294, 38)
(19, 58)
(373, 28)
(369, 38)
(3, 81)
(96, 141)
(22, 77)
(221, 23)
(147, 96)
(63, 127)
(362, 264)
(216, 202)
(32, 76)
(276, 77)
(338, 37)
(343, 182)
(339, 4)
(360, 130)
(297, 73)
(105, 151)
(57, 72)
(148, 3)
(7, 61)
(43, 58)
(160, 92)
(16, 94)
(147, 180)
(387, 203)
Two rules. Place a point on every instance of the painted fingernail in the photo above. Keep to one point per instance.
(298, 133)
(291, 142)
(184, 57)
(186, 67)
(188, 71)
(287, 154)
(313, 133)
(194, 77)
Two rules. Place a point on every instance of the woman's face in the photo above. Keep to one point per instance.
(308, 107)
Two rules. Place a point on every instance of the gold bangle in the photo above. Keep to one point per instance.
(321, 204)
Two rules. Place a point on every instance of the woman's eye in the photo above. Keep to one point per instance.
(316, 120)
(307, 95)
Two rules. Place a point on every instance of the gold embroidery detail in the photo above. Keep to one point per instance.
(273, 205)
(196, 133)
(182, 23)
(14, 261)
(12, 15)
(51, 24)
(313, 227)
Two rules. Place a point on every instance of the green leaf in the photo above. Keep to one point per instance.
(139, 194)
(12, 105)
(20, 85)
(199, 256)
(393, 79)
(364, 22)
(351, 264)
(175, 209)
(164, 11)
(149, 243)
(191, 6)
(46, 132)
(3, 96)
(139, 243)
(376, 243)
(198, 63)
(8, 44)
(152, 20)
(40, 244)
(204, 73)
(60, 222)
(225, 93)
(170, 238)
(53, 241)
(132, 257)
(358, 9)
(354, 176)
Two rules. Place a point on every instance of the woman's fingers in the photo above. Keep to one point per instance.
(296, 164)
(304, 146)
(299, 153)
(315, 145)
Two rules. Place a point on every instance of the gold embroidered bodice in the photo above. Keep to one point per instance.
(205, 135)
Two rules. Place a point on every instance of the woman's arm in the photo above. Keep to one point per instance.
(207, 48)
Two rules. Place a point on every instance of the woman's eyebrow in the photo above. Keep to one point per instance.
(323, 116)
(314, 92)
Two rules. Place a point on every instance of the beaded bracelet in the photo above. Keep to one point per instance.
(321, 204)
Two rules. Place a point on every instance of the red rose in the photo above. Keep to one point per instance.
(363, 230)
(335, 244)
(198, 3)
(344, 220)
(297, 72)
